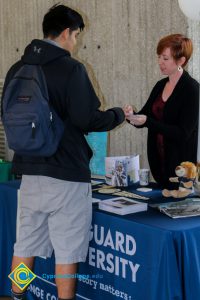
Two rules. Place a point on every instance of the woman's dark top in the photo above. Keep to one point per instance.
(178, 127)
(157, 111)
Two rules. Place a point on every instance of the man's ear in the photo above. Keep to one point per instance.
(65, 33)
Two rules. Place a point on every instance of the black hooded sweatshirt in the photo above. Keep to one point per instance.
(74, 99)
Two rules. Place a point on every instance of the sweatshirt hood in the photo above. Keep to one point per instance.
(39, 52)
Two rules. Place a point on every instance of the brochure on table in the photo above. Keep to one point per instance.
(190, 207)
(122, 206)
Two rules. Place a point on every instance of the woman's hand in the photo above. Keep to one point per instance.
(137, 120)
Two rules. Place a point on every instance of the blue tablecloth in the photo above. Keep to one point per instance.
(142, 256)
(8, 212)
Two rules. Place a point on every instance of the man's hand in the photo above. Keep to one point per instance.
(128, 110)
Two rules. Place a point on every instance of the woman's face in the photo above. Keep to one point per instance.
(167, 64)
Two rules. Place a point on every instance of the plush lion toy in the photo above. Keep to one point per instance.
(186, 174)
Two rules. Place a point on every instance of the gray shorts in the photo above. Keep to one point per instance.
(54, 215)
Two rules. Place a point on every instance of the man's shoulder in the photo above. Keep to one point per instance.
(73, 63)
(65, 65)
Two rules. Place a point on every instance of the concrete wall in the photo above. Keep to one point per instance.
(118, 48)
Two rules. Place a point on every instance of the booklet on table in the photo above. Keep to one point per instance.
(190, 207)
(122, 206)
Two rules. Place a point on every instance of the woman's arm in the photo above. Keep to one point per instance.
(187, 119)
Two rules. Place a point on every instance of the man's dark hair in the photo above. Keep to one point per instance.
(60, 17)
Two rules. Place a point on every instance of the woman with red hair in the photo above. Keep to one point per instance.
(171, 112)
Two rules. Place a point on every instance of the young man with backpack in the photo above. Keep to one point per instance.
(55, 191)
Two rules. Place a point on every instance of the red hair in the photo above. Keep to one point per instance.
(179, 45)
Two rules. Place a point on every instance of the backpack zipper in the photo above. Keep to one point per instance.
(33, 130)
(51, 116)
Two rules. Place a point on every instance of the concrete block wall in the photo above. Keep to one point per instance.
(118, 48)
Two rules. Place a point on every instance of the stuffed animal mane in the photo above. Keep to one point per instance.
(186, 174)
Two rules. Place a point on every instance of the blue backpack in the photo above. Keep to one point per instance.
(32, 127)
